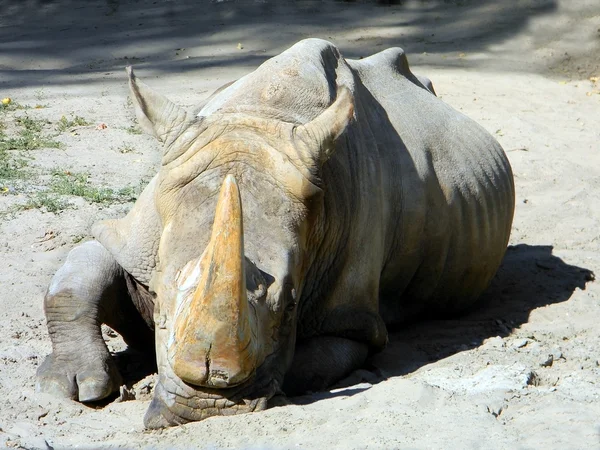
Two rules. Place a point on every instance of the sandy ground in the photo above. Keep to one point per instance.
(520, 371)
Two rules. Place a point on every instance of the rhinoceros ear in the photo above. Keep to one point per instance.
(321, 133)
(156, 114)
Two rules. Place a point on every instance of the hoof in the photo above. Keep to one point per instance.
(86, 382)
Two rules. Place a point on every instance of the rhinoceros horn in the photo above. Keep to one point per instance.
(215, 340)
(156, 114)
(323, 130)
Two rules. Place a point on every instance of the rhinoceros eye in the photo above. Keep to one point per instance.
(290, 301)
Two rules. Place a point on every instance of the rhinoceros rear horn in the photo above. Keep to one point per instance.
(321, 133)
(156, 114)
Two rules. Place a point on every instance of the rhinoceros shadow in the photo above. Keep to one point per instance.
(530, 277)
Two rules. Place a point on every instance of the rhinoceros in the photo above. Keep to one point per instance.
(296, 215)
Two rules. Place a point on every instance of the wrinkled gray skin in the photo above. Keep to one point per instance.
(392, 206)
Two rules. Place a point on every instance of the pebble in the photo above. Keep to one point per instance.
(125, 395)
(520, 343)
(548, 362)
(494, 342)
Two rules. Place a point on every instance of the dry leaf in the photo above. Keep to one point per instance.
(101, 126)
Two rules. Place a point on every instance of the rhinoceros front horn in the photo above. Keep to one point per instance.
(214, 341)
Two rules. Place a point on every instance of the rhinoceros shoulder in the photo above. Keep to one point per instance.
(133, 240)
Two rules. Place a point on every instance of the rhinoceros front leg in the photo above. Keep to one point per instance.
(321, 361)
(88, 290)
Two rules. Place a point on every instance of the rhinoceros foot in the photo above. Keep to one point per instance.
(87, 381)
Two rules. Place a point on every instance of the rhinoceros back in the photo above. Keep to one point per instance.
(453, 190)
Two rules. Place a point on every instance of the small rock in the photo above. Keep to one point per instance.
(548, 362)
(494, 342)
(109, 332)
(143, 389)
(520, 343)
(125, 395)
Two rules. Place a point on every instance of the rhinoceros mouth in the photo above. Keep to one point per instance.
(168, 409)
(176, 402)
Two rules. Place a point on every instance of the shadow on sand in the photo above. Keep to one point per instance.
(529, 277)
(40, 39)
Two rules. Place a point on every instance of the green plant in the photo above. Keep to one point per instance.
(27, 141)
(30, 136)
(43, 200)
(64, 124)
(126, 148)
(133, 129)
(12, 106)
(78, 238)
(11, 167)
(77, 184)
(30, 125)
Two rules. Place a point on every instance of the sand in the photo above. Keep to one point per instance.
(521, 370)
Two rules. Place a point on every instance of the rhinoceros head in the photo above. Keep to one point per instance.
(240, 201)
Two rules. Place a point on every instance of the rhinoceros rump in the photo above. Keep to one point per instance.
(298, 213)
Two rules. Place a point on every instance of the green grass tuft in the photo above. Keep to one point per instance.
(11, 166)
(127, 148)
(12, 106)
(44, 200)
(64, 124)
(77, 184)
(133, 129)
(30, 136)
